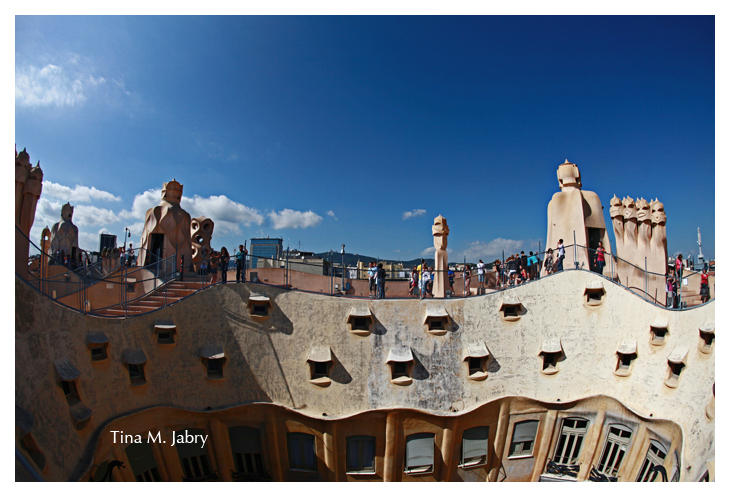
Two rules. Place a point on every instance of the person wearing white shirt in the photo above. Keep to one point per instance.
(561, 254)
(481, 272)
(425, 279)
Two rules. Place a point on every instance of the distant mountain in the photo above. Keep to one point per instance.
(351, 259)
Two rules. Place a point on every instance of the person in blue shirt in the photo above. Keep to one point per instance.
(451, 281)
(241, 264)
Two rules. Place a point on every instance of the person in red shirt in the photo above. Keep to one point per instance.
(600, 257)
(704, 286)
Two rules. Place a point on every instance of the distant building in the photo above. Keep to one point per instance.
(270, 248)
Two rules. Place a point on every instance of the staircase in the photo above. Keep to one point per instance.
(166, 294)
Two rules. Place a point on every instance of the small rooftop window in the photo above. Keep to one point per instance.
(135, 360)
(659, 331)
(477, 356)
(401, 363)
(359, 320)
(626, 355)
(677, 361)
(511, 309)
(213, 357)
(436, 321)
(320, 362)
(165, 330)
(707, 337)
(259, 306)
(552, 353)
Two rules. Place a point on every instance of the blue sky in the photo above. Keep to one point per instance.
(361, 130)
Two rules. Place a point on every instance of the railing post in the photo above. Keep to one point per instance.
(646, 278)
(575, 251)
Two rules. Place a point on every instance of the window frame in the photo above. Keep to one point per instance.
(570, 441)
(483, 459)
(522, 452)
(617, 456)
(363, 440)
(651, 459)
(304, 438)
(420, 470)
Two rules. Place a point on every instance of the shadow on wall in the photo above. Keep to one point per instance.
(338, 372)
(418, 372)
(378, 328)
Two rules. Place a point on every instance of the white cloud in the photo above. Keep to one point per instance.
(429, 252)
(89, 215)
(49, 86)
(294, 219)
(413, 213)
(493, 250)
(77, 194)
(141, 203)
(332, 214)
(225, 213)
(67, 83)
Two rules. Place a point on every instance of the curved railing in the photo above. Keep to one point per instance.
(71, 287)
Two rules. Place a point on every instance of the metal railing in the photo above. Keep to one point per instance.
(72, 287)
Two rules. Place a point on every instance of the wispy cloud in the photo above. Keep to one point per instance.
(493, 249)
(413, 213)
(77, 194)
(89, 215)
(67, 81)
(141, 203)
(289, 218)
(332, 214)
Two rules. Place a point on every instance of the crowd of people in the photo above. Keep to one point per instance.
(214, 261)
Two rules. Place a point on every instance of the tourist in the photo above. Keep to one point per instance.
(523, 273)
(430, 282)
(122, 256)
(451, 281)
(534, 267)
(467, 280)
(678, 269)
(380, 277)
(182, 267)
(130, 255)
(549, 262)
(670, 290)
(480, 273)
(241, 264)
(561, 255)
(214, 259)
(371, 277)
(511, 269)
(413, 283)
(425, 278)
(704, 286)
(523, 261)
(528, 265)
(225, 259)
(498, 272)
(600, 257)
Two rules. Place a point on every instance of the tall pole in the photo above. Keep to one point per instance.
(342, 288)
(575, 251)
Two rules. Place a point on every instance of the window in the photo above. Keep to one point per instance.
(707, 338)
(320, 369)
(401, 362)
(624, 363)
(594, 296)
(436, 324)
(360, 324)
(419, 453)
(675, 369)
(246, 448)
(659, 335)
(98, 353)
(549, 361)
(143, 463)
(194, 458)
(474, 446)
(361, 454)
(400, 370)
(615, 450)
(511, 310)
(136, 374)
(571, 440)
(654, 457)
(302, 455)
(523, 438)
(165, 330)
(476, 365)
(69, 390)
(215, 368)
(260, 310)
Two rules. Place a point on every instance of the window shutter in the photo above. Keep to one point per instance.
(419, 450)
(140, 457)
(475, 443)
(525, 431)
(192, 449)
(244, 440)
